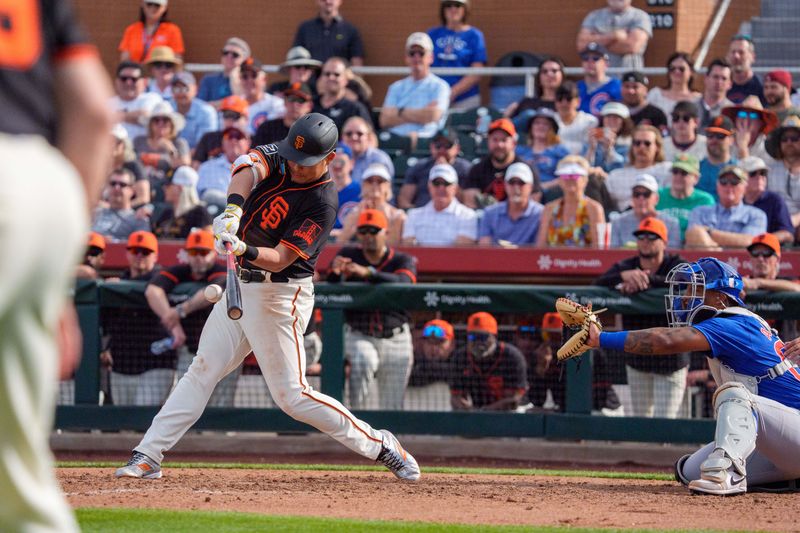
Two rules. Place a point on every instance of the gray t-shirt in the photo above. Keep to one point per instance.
(605, 21)
(118, 224)
(622, 229)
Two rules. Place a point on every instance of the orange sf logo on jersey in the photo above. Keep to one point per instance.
(274, 215)
(299, 141)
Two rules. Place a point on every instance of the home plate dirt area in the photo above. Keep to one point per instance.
(445, 498)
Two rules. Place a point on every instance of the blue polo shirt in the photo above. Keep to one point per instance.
(496, 224)
(741, 218)
(774, 206)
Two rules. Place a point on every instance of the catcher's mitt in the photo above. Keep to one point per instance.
(575, 315)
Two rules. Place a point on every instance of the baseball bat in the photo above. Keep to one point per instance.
(233, 292)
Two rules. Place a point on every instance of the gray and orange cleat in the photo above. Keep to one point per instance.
(140, 466)
(395, 458)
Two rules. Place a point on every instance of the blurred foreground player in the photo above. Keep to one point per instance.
(54, 134)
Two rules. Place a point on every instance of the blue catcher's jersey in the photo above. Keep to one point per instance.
(747, 345)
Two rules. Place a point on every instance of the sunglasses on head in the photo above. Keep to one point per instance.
(94, 251)
(434, 332)
(682, 118)
(440, 183)
(647, 237)
(415, 53)
(729, 181)
(478, 337)
(194, 252)
(637, 142)
(126, 79)
(118, 184)
(642, 194)
(368, 230)
(752, 115)
(233, 53)
(140, 251)
(762, 253)
(790, 138)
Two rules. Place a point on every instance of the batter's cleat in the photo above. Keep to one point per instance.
(140, 466)
(396, 459)
(719, 476)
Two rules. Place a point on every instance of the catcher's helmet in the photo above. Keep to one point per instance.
(311, 138)
(688, 283)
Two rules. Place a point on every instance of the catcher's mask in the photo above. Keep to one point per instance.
(688, 283)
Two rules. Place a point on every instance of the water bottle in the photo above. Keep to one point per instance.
(160, 346)
(484, 120)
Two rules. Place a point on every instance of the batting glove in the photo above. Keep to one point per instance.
(238, 247)
(228, 220)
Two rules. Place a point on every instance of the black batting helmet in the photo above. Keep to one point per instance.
(310, 139)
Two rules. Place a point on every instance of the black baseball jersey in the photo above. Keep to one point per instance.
(35, 36)
(299, 216)
(171, 277)
(489, 380)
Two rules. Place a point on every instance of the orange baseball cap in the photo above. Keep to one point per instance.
(505, 125)
(652, 225)
(552, 322)
(372, 217)
(482, 321)
(769, 240)
(234, 103)
(200, 239)
(96, 240)
(143, 239)
(438, 329)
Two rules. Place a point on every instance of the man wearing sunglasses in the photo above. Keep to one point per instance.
(752, 123)
(332, 101)
(779, 222)
(215, 87)
(644, 199)
(119, 220)
(784, 175)
(729, 223)
(682, 196)
(215, 174)
(233, 113)
(416, 105)
(200, 117)
(683, 135)
(596, 88)
(94, 258)
(131, 102)
(297, 102)
(262, 106)
(377, 343)
(444, 148)
(488, 374)
(719, 140)
(765, 264)
(514, 221)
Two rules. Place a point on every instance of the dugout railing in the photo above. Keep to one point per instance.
(576, 422)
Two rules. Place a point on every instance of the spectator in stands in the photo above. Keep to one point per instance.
(298, 68)
(571, 220)
(215, 174)
(358, 90)
(200, 117)
(349, 191)
(574, 124)
(94, 258)
(488, 374)
(515, 220)
(433, 361)
(765, 254)
(596, 88)
(123, 156)
(141, 254)
(377, 343)
(417, 105)
(657, 386)
(784, 175)
(444, 221)
(332, 101)
(358, 134)
(162, 149)
(548, 79)
(730, 223)
(779, 222)
(485, 182)
(622, 29)
(680, 76)
(682, 196)
(215, 87)
(184, 321)
(118, 220)
(778, 92)
(752, 124)
(544, 149)
(235, 114)
(131, 101)
(153, 30)
(646, 157)
(684, 137)
(444, 148)
(262, 106)
(184, 211)
(329, 35)
(741, 56)
(609, 145)
(719, 139)
(634, 95)
(376, 193)
(162, 65)
(539, 346)
(644, 201)
(298, 103)
(715, 88)
(457, 44)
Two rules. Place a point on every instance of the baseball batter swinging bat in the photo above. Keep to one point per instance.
(233, 293)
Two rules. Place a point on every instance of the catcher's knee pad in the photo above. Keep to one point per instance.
(736, 423)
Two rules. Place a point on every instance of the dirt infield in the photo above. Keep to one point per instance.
(445, 498)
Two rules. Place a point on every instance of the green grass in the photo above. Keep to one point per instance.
(156, 521)
(367, 468)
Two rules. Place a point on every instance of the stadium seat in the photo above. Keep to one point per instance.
(468, 143)
(394, 144)
(505, 90)
(423, 147)
(468, 120)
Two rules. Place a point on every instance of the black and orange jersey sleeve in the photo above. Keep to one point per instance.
(405, 265)
(268, 156)
(171, 277)
(68, 38)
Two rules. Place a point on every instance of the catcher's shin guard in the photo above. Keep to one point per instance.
(736, 423)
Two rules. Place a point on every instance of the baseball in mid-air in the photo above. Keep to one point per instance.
(213, 293)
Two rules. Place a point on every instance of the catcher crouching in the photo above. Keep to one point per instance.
(757, 402)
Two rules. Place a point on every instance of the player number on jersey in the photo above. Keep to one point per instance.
(20, 34)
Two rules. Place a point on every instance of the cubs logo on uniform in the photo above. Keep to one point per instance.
(308, 231)
(299, 141)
